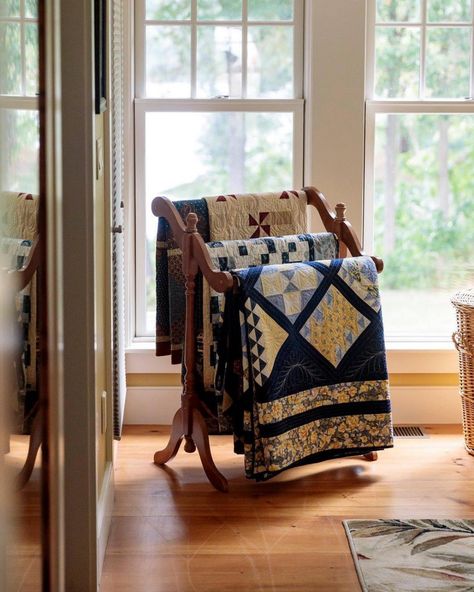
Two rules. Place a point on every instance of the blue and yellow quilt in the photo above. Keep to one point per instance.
(305, 375)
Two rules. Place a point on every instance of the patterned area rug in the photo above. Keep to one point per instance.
(413, 555)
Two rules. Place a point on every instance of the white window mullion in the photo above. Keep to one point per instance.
(140, 49)
(471, 93)
(424, 14)
(193, 48)
(140, 217)
(245, 33)
(23, 47)
(370, 51)
(298, 144)
(298, 48)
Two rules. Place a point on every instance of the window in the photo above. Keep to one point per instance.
(420, 159)
(218, 109)
(18, 89)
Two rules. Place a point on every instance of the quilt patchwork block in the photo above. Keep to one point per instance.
(237, 254)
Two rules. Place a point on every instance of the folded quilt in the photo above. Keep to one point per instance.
(253, 215)
(237, 254)
(220, 218)
(170, 282)
(308, 376)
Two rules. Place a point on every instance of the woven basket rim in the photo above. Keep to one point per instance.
(464, 298)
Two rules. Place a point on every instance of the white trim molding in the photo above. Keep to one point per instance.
(155, 405)
(410, 405)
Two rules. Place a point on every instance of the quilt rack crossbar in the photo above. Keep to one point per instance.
(188, 422)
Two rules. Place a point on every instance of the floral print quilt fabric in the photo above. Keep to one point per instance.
(307, 379)
(239, 254)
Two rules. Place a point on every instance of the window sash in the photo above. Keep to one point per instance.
(141, 23)
(374, 108)
(144, 105)
(423, 25)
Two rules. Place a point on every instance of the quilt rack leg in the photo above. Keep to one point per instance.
(188, 423)
(198, 438)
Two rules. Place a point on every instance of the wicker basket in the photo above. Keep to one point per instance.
(464, 341)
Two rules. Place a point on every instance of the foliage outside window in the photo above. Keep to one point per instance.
(420, 121)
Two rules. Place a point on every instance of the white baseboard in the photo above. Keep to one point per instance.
(410, 405)
(426, 404)
(105, 508)
(151, 404)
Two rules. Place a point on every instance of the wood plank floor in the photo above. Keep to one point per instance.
(24, 528)
(171, 532)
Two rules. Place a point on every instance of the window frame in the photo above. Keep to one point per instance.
(143, 105)
(375, 106)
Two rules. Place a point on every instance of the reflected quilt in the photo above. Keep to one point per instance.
(306, 371)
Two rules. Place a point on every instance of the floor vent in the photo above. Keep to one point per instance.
(409, 432)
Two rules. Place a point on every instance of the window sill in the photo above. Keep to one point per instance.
(403, 357)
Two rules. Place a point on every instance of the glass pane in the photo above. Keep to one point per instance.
(424, 219)
(32, 59)
(10, 59)
(270, 10)
(398, 11)
(168, 61)
(219, 10)
(397, 62)
(219, 61)
(209, 154)
(10, 8)
(448, 62)
(449, 11)
(168, 9)
(20, 134)
(270, 62)
(31, 8)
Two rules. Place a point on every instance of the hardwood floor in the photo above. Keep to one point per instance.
(172, 532)
(24, 528)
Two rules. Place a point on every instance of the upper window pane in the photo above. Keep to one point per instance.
(10, 8)
(31, 8)
(448, 62)
(398, 11)
(229, 10)
(270, 62)
(270, 10)
(31, 59)
(219, 61)
(168, 10)
(397, 62)
(449, 11)
(10, 59)
(168, 61)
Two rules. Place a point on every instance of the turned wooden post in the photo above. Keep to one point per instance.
(338, 227)
(189, 397)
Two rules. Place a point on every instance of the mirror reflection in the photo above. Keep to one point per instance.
(19, 298)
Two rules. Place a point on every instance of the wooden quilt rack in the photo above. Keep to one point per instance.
(188, 422)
